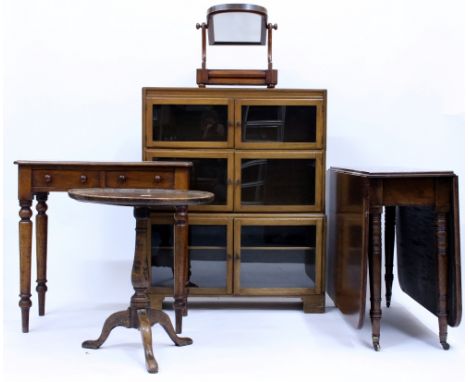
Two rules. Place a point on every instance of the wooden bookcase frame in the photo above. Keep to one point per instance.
(234, 150)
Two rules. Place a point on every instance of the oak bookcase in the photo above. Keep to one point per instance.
(262, 153)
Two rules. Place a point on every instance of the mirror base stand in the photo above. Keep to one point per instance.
(267, 77)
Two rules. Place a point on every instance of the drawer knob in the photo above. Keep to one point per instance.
(83, 179)
(122, 178)
(48, 178)
(157, 178)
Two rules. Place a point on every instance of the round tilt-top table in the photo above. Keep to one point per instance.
(140, 315)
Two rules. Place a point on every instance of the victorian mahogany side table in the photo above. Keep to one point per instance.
(37, 179)
(140, 315)
(423, 208)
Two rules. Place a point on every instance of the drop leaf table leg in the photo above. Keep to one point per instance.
(375, 260)
(441, 229)
(389, 249)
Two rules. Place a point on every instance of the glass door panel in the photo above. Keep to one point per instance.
(205, 122)
(271, 181)
(212, 171)
(277, 253)
(210, 255)
(265, 123)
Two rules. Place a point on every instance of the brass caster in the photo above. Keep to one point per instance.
(375, 343)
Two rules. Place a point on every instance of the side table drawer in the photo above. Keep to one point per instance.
(60, 180)
(140, 179)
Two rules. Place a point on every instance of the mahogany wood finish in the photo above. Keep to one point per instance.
(180, 262)
(389, 248)
(442, 244)
(38, 179)
(319, 204)
(25, 235)
(234, 150)
(257, 77)
(375, 265)
(426, 205)
(140, 315)
(41, 249)
(268, 77)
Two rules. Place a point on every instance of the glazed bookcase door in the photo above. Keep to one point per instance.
(213, 171)
(279, 124)
(278, 256)
(210, 255)
(278, 181)
(262, 153)
(186, 122)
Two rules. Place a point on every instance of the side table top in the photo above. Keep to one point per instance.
(141, 197)
(59, 164)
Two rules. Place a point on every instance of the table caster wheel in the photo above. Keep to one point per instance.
(376, 343)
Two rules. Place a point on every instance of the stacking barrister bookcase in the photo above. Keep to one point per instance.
(262, 153)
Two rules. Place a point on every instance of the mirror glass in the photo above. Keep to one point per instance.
(237, 28)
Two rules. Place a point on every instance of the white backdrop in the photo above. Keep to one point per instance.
(74, 72)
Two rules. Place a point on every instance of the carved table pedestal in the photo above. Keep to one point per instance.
(140, 315)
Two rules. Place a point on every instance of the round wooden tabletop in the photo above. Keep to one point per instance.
(141, 197)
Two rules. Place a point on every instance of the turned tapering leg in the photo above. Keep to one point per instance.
(442, 272)
(375, 264)
(41, 249)
(389, 250)
(180, 264)
(25, 240)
